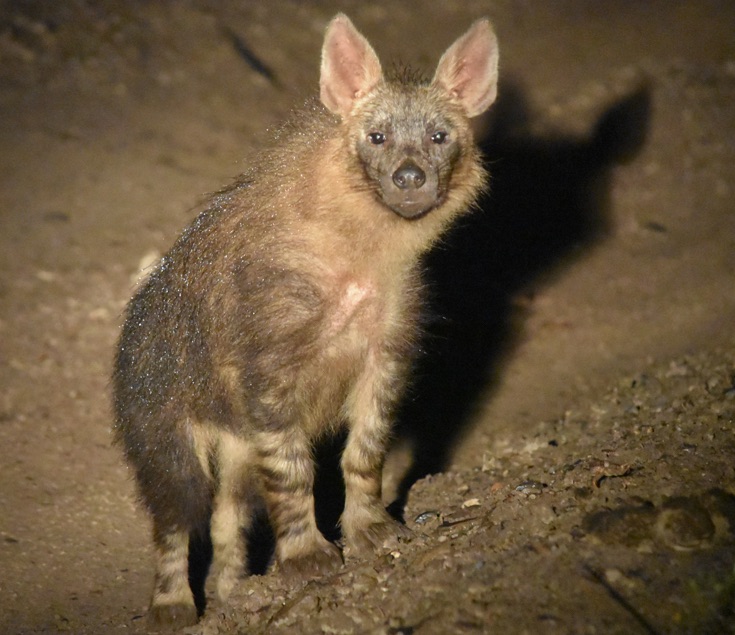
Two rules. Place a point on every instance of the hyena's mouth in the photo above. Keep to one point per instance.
(410, 191)
(413, 209)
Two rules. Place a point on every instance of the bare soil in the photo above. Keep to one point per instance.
(575, 406)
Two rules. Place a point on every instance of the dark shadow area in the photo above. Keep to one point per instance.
(200, 559)
(546, 202)
(329, 486)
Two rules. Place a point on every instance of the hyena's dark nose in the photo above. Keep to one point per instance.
(409, 176)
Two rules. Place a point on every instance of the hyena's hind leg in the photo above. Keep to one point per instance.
(176, 484)
(233, 510)
(172, 604)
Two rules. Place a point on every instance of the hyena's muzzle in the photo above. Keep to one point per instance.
(411, 190)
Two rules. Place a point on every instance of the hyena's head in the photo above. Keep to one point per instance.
(408, 135)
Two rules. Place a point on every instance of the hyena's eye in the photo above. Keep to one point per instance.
(439, 137)
(376, 138)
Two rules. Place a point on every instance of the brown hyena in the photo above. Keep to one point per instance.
(288, 310)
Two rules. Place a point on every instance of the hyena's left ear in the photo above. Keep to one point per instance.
(468, 70)
(350, 67)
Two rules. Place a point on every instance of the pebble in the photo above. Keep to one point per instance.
(530, 487)
(471, 502)
(427, 516)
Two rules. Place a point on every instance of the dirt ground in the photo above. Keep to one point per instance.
(576, 403)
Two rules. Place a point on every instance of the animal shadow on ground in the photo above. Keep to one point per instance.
(546, 202)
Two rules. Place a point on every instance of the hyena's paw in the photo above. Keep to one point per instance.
(322, 559)
(224, 584)
(172, 616)
(381, 535)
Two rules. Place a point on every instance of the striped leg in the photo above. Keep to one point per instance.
(287, 472)
(173, 603)
(232, 512)
(365, 523)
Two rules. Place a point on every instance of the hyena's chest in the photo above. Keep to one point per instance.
(361, 328)
(368, 317)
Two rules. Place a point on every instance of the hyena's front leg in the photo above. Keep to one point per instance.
(365, 522)
(287, 472)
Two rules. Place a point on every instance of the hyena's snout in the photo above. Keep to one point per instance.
(409, 176)
(411, 189)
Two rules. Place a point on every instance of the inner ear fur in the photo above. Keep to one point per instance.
(468, 70)
(350, 68)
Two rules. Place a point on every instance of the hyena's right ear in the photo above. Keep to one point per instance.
(468, 70)
(350, 67)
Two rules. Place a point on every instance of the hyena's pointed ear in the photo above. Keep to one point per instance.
(350, 67)
(468, 70)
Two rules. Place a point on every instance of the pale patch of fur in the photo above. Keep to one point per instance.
(230, 515)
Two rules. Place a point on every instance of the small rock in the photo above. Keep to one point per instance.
(530, 487)
(426, 517)
(471, 502)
